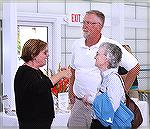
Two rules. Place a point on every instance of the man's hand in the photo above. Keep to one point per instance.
(85, 99)
(72, 98)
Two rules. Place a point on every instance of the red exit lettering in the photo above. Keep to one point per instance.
(75, 17)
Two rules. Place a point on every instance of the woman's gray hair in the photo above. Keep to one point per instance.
(113, 53)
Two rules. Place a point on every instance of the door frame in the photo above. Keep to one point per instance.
(11, 18)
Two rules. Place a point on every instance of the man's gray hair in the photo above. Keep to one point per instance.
(98, 14)
(113, 53)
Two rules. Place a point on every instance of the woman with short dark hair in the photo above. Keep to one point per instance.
(34, 102)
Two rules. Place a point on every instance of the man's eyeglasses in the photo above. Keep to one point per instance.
(90, 23)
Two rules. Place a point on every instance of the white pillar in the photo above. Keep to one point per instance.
(9, 50)
(118, 22)
(57, 45)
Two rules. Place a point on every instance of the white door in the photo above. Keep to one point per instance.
(11, 21)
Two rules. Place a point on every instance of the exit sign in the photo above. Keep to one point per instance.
(75, 17)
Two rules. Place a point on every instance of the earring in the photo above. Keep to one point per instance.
(35, 59)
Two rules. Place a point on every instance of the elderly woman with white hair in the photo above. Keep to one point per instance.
(108, 58)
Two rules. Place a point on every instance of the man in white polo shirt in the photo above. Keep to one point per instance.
(86, 76)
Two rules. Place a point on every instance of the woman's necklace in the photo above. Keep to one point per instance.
(38, 72)
(31, 65)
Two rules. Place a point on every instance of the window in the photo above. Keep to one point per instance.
(30, 32)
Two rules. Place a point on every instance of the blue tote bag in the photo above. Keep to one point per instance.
(103, 109)
(121, 119)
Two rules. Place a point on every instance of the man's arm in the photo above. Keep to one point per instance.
(71, 94)
(130, 77)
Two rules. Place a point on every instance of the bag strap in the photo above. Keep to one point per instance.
(107, 86)
(122, 83)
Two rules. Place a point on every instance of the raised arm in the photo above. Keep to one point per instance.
(62, 74)
(130, 76)
(71, 94)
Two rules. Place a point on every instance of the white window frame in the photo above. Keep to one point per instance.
(37, 19)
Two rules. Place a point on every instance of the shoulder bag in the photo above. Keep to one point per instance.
(105, 114)
(138, 119)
